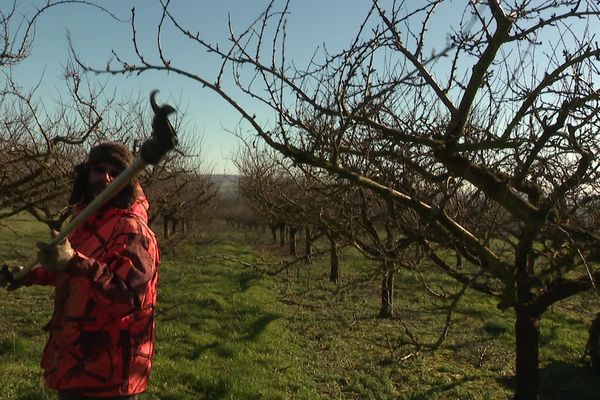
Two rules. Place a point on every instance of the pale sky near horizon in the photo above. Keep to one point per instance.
(311, 24)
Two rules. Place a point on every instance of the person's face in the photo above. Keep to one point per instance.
(101, 175)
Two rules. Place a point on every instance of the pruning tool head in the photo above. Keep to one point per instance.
(164, 137)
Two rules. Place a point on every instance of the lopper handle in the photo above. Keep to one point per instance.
(162, 139)
(113, 188)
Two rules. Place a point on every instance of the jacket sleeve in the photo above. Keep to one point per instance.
(130, 264)
(38, 276)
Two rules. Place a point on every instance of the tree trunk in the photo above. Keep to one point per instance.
(334, 272)
(527, 329)
(527, 335)
(387, 295)
(165, 226)
(593, 345)
(308, 246)
(282, 235)
(274, 233)
(293, 232)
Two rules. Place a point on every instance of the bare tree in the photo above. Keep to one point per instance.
(504, 116)
(291, 200)
(39, 141)
(180, 198)
(273, 190)
(17, 28)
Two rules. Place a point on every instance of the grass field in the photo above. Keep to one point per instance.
(227, 331)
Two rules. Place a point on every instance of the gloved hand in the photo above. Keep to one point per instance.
(7, 279)
(55, 258)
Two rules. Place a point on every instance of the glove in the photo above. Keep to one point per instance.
(7, 277)
(55, 258)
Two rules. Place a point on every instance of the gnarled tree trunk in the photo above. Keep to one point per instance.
(334, 272)
(527, 335)
(308, 245)
(282, 235)
(387, 294)
(293, 232)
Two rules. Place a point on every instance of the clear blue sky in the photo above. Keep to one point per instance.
(94, 35)
(311, 24)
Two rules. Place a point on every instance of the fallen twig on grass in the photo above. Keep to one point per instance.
(233, 259)
(264, 268)
(483, 355)
(290, 263)
(409, 356)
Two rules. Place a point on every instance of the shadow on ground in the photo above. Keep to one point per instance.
(560, 380)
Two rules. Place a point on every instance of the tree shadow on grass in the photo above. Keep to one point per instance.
(200, 389)
(564, 381)
(252, 332)
(176, 312)
(258, 326)
(247, 279)
(560, 380)
(212, 390)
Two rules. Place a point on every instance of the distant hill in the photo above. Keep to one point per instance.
(227, 184)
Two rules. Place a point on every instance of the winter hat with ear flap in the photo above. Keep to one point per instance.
(113, 153)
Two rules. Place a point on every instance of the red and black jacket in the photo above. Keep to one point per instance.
(102, 331)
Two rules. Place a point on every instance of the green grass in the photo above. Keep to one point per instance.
(220, 333)
(18, 236)
(375, 358)
(226, 331)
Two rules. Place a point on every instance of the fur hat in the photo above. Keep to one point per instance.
(109, 152)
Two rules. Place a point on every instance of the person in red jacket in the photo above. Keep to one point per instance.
(101, 335)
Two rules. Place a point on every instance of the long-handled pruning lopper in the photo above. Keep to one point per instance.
(162, 140)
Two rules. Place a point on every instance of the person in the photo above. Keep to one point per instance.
(101, 334)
